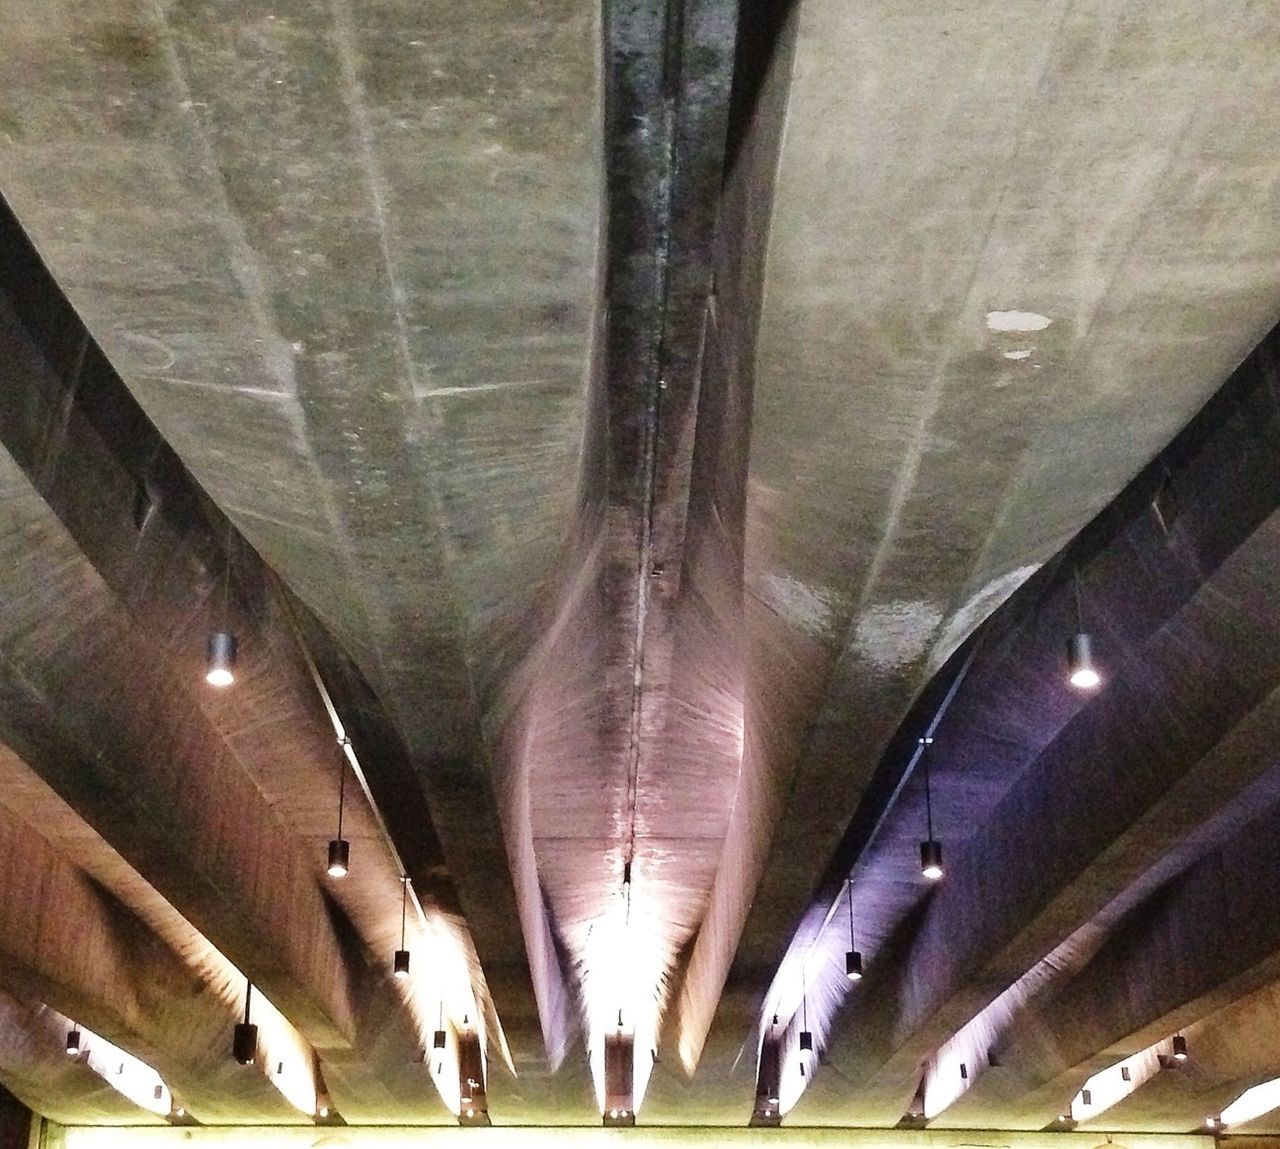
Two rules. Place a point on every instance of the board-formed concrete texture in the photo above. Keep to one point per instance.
(652, 455)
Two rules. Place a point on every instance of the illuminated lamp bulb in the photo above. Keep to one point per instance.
(853, 965)
(339, 857)
(1210, 1122)
(931, 859)
(73, 1043)
(471, 1112)
(1083, 675)
(222, 659)
(180, 1112)
(1179, 1048)
(323, 1111)
(400, 966)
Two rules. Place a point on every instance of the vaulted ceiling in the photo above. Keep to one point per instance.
(652, 455)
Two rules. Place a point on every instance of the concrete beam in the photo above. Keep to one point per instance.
(35, 1068)
(65, 941)
(1207, 939)
(159, 554)
(1181, 657)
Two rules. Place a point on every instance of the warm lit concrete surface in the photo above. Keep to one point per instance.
(1102, 167)
(349, 260)
(345, 256)
(575, 1138)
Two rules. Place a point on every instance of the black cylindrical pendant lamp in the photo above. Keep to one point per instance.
(339, 857)
(244, 1043)
(931, 859)
(400, 965)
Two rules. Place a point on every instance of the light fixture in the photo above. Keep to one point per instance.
(439, 1039)
(180, 1112)
(323, 1111)
(619, 1080)
(340, 848)
(930, 849)
(400, 965)
(1084, 675)
(852, 958)
(806, 1034)
(73, 1042)
(221, 659)
(1179, 1047)
(1210, 1122)
(1081, 671)
(244, 1045)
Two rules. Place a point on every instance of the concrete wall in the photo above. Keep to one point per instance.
(578, 1138)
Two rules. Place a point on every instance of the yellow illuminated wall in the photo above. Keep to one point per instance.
(598, 1138)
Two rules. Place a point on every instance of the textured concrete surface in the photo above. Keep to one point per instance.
(639, 403)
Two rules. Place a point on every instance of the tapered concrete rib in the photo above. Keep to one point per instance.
(1230, 1050)
(382, 355)
(35, 1068)
(617, 676)
(147, 535)
(68, 943)
(147, 777)
(84, 693)
(1209, 937)
(1172, 737)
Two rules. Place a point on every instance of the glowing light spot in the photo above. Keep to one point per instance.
(1253, 1103)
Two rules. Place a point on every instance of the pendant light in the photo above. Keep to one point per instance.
(400, 965)
(930, 849)
(852, 959)
(438, 1039)
(221, 650)
(339, 847)
(220, 671)
(244, 1045)
(73, 1041)
(806, 1035)
(1081, 671)
(1179, 1047)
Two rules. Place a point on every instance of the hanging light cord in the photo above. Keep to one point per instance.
(404, 906)
(248, 996)
(928, 797)
(226, 577)
(342, 784)
(851, 945)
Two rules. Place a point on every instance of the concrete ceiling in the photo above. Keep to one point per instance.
(631, 426)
